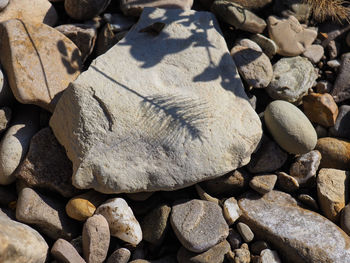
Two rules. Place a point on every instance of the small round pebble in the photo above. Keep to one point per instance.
(121, 255)
(245, 231)
(231, 210)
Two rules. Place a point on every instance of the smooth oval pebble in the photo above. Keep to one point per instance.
(290, 128)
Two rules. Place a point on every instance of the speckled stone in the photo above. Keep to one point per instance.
(121, 255)
(263, 183)
(242, 254)
(245, 231)
(305, 166)
(231, 210)
(286, 182)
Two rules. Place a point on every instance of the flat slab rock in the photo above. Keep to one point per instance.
(300, 235)
(169, 112)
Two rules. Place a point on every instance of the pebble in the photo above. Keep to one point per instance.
(63, 251)
(5, 117)
(268, 45)
(45, 213)
(305, 166)
(269, 256)
(309, 201)
(242, 255)
(231, 210)
(268, 158)
(263, 183)
(314, 53)
(335, 153)
(216, 254)
(14, 144)
(3, 4)
(46, 165)
(287, 183)
(199, 225)
(323, 86)
(232, 14)
(290, 127)
(155, 224)
(234, 238)
(246, 42)
(292, 79)
(85, 9)
(258, 246)
(83, 206)
(254, 66)
(320, 108)
(332, 186)
(96, 237)
(341, 127)
(121, 220)
(341, 89)
(120, 255)
(290, 37)
(245, 231)
(335, 63)
(345, 219)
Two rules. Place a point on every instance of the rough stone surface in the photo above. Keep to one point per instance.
(290, 37)
(263, 183)
(33, 11)
(254, 66)
(216, 254)
(3, 4)
(15, 143)
(37, 73)
(268, 45)
(64, 252)
(274, 218)
(320, 108)
(96, 239)
(231, 210)
(341, 89)
(46, 165)
(314, 53)
(332, 192)
(305, 166)
(135, 7)
(199, 225)
(287, 183)
(292, 79)
(85, 9)
(5, 117)
(290, 128)
(242, 254)
(341, 127)
(269, 256)
(335, 153)
(20, 243)
(158, 126)
(47, 214)
(121, 220)
(268, 158)
(232, 14)
(121, 255)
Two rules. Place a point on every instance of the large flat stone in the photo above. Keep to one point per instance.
(169, 112)
(300, 235)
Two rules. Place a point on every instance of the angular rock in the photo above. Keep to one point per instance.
(332, 192)
(63, 251)
(286, 182)
(290, 37)
(274, 218)
(268, 45)
(292, 79)
(231, 210)
(335, 153)
(268, 158)
(216, 254)
(15, 143)
(32, 11)
(20, 243)
(314, 53)
(320, 108)
(199, 225)
(341, 89)
(47, 214)
(121, 255)
(305, 166)
(290, 128)
(37, 73)
(161, 135)
(135, 7)
(46, 165)
(85, 9)
(341, 127)
(242, 254)
(121, 220)
(263, 183)
(96, 239)
(254, 66)
(238, 16)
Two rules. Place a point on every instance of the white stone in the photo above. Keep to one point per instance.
(231, 210)
(269, 256)
(121, 220)
(169, 112)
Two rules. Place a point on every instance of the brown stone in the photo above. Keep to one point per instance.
(5, 117)
(320, 108)
(305, 167)
(335, 153)
(263, 183)
(286, 182)
(63, 251)
(39, 61)
(46, 165)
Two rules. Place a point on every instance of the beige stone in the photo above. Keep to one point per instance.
(63, 251)
(39, 61)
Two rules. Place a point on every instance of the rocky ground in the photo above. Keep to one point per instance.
(208, 131)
